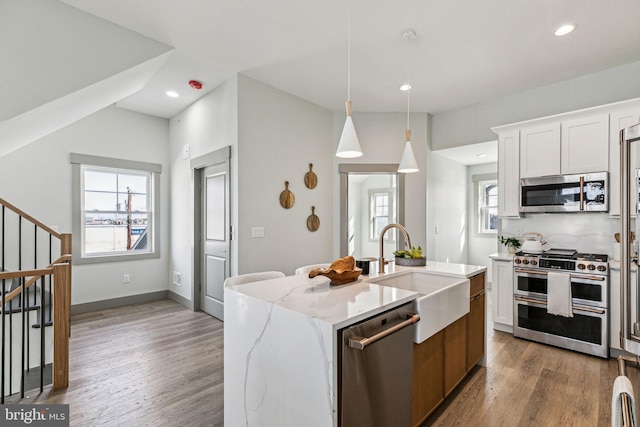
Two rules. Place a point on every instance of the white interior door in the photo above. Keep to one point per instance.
(215, 237)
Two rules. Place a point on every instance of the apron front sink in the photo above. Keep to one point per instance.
(442, 300)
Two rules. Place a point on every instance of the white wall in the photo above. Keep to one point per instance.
(37, 179)
(207, 125)
(382, 138)
(279, 135)
(447, 210)
(480, 246)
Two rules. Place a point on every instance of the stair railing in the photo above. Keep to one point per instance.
(56, 275)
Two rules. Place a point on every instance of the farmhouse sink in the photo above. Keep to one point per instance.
(442, 300)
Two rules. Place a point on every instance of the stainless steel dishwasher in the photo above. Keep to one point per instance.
(375, 370)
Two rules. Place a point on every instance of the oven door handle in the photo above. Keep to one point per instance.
(587, 309)
(592, 278)
(573, 276)
(533, 301)
(539, 273)
(581, 193)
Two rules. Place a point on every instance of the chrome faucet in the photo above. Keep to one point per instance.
(381, 261)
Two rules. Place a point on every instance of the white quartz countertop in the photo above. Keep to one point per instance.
(438, 268)
(343, 305)
(502, 256)
(340, 305)
(615, 265)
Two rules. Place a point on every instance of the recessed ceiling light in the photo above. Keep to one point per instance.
(405, 86)
(172, 94)
(481, 155)
(564, 30)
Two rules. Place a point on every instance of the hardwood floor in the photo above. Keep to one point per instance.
(531, 384)
(159, 364)
(154, 364)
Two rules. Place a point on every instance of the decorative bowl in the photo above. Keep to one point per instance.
(411, 262)
(338, 277)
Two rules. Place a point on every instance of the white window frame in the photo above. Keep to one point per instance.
(391, 204)
(484, 208)
(79, 162)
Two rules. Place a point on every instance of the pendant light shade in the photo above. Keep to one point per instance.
(349, 146)
(408, 162)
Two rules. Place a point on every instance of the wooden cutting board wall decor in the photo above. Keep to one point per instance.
(310, 178)
(287, 199)
(313, 222)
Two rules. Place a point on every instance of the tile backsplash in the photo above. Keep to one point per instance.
(586, 232)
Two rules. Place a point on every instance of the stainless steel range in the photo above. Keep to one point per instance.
(588, 330)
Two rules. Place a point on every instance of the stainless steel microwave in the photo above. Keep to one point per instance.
(565, 193)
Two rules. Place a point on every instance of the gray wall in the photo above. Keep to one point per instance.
(473, 124)
(279, 135)
(447, 210)
(37, 179)
(480, 246)
(382, 138)
(207, 125)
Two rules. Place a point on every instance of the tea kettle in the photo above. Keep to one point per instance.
(532, 243)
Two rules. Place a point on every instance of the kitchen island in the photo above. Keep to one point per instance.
(280, 344)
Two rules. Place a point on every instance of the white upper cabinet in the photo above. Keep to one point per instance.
(540, 150)
(620, 120)
(567, 147)
(584, 145)
(508, 174)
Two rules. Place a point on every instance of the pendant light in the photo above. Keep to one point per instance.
(408, 162)
(349, 146)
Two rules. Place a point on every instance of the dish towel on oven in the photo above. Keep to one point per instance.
(559, 294)
(621, 385)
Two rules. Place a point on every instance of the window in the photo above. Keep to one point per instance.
(116, 209)
(488, 206)
(381, 212)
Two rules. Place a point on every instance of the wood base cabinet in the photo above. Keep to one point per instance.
(442, 361)
(427, 377)
(475, 331)
(455, 354)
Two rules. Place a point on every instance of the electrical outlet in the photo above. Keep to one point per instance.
(518, 232)
(257, 232)
(126, 278)
(177, 278)
(437, 230)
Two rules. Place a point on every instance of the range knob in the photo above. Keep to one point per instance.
(581, 266)
(517, 261)
(602, 268)
(591, 267)
(534, 262)
(525, 261)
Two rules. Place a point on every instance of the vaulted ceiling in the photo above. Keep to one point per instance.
(77, 56)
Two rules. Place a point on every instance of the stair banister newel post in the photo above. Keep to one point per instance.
(66, 249)
(61, 326)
